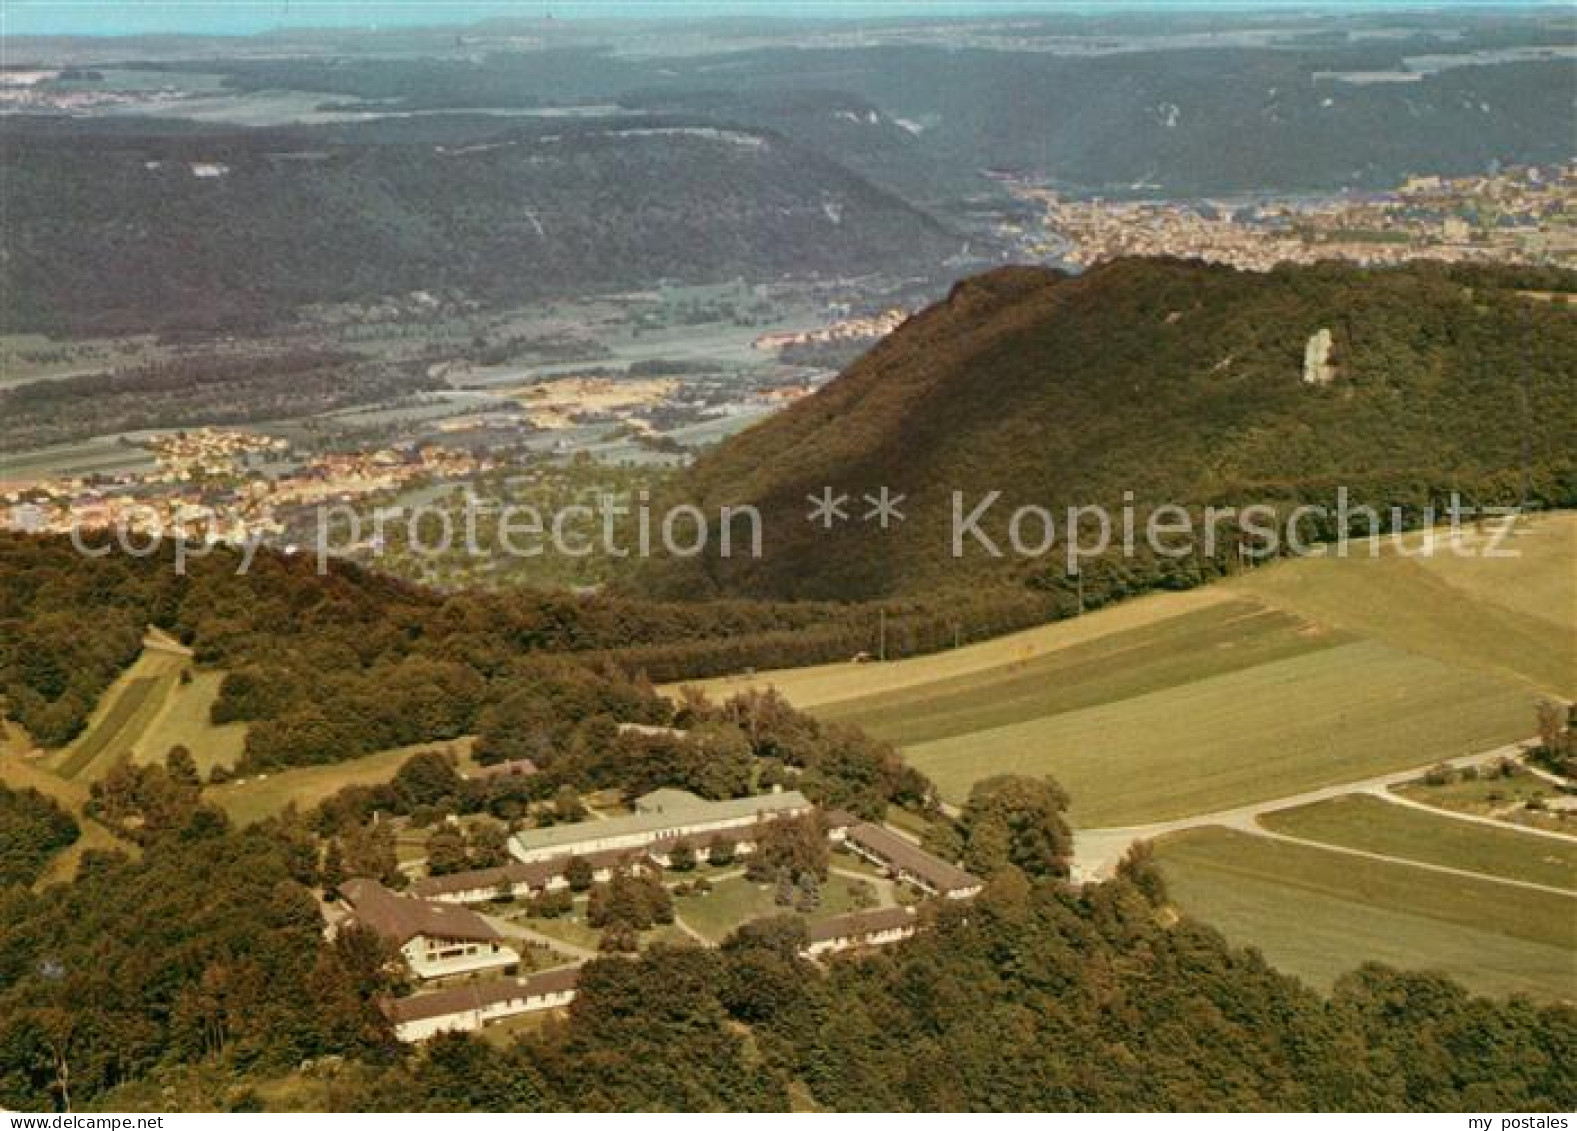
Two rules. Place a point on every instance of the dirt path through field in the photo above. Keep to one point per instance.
(1096, 852)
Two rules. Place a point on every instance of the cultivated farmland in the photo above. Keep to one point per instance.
(1318, 914)
(122, 717)
(1296, 675)
(1390, 829)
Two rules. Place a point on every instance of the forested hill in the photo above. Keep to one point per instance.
(1177, 381)
(116, 226)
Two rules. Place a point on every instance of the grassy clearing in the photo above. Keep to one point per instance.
(1373, 825)
(1336, 715)
(735, 901)
(122, 717)
(184, 721)
(257, 798)
(1318, 914)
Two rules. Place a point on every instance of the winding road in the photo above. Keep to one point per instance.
(1097, 852)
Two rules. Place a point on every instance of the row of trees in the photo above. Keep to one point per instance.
(331, 666)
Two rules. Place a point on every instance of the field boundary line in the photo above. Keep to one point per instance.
(1401, 861)
(1386, 794)
(1097, 851)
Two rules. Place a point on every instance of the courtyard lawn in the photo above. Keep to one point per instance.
(736, 901)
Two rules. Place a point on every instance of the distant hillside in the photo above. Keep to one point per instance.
(1176, 381)
(1216, 114)
(130, 226)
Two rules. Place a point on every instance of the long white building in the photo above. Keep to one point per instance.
(662, 815)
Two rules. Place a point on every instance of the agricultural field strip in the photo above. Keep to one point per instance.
(1120, 666)
(1431, 610)
(1381, 823)
(1321, 932)
(1410, 862)
(819, 687)
(130, 707)
(1516, 911)
(1097, 851)
(1320, 718)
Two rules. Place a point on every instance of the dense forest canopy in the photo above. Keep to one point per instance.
(331, 666)
(201, 970)
(35, 829)
(111, 231)
(1165, 381)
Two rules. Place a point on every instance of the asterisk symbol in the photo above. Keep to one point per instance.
(827, 508)
(884, 507)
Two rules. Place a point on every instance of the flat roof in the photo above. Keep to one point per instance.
(664, 819)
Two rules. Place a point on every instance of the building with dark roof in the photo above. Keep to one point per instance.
(437, 940)
(878, 927)
(469, 1007)
(519, 768)
(908, 862)
(522, 881)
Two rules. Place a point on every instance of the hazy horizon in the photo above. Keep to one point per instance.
(22, 18)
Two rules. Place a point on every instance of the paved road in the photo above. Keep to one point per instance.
(1471, 818)
(1096, 852)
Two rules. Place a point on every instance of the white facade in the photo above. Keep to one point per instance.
(869, 938)
(442, 958)
(470, 1007)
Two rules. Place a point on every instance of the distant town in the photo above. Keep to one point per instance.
(1522, 215)
(238, 485)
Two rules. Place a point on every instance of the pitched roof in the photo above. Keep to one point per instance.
(479, 995)
(911, 858)
(401, 919)
(670, 801)
(513, 873)
(858, 924)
